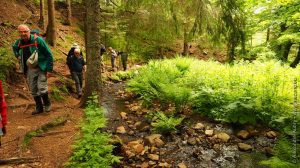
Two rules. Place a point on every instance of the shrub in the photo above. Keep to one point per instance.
(240, 93)
(164, 124)
(93, 148)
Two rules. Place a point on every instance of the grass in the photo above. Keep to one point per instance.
(43, 129)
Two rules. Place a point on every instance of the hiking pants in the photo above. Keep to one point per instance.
(37, 81)
(124, 61)
(78, 78)
(113, 61)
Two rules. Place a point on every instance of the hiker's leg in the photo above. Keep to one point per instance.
(80, 77)
(32, 79)
(112, 59)
(38, 105)
(42, 82)
(76, 79)
(43, 89)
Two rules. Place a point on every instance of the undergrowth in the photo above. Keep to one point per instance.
(258, 92)
(92, 149)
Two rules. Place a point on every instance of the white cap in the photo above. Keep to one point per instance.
(75, 45)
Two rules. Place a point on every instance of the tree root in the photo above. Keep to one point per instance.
(22, 95)
(13, 106)
(19, 160)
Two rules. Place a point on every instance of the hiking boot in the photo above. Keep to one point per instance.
(46, 102)
(38, 105)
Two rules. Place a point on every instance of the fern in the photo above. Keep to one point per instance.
(93, 148)
(165, 124)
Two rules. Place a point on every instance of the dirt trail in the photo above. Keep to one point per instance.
(51, 148)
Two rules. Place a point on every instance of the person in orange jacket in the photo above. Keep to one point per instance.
(3, 112)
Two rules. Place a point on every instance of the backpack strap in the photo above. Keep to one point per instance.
(29, 45)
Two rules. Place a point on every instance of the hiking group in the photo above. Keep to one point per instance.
(36, 63)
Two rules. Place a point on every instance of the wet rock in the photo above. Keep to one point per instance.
(123, 115)
(243, 134)
(222, 136)
(144, 165)
(137, 124)
(199, 126)
(190, 131)
(131, 132)
(209, 132)
(121, 130)
(153, 157)
(262, 141)
(269, 151)
(152, 163)
(181, 165)
(164, 165)
(216, 147)
(192, 141)
(136, 146)
(129, 154)
(271, 134)
(244, 147)
(134, 108)
(154, 140)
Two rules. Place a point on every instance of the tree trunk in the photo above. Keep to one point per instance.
(42, 16)
(69, 13)
(185, 44)
(51, 28)
(93, 82)
(297, 59)
(286, 50)
(268, 34)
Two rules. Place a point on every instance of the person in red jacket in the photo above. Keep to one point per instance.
(3, 112)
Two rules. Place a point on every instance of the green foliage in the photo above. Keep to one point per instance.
(58, 92)
(45, 128)
(93, 148)
(6, 63)
(123, 75)
(240, 93)
(284, 151)
(160, 80)
(164, 124)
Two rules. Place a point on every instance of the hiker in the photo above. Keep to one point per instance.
(36, 69)
(102, 50)
(3, 112)
(124, 57)
(77, 64)
(113, 55)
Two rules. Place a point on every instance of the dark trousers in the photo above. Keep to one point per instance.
(78, 78)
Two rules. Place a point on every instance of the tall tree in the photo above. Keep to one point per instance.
(42, 16)
(92, 34)
(69, 12)
(51, 28)
(232, 25)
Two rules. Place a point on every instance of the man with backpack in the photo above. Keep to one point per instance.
(36, 61)
(113, 55)
(77, 64)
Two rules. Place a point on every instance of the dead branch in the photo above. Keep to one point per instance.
(19, 160)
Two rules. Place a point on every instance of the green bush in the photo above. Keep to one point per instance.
(240, 93)
(164, 124)
(93, 148)
(6, 63)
